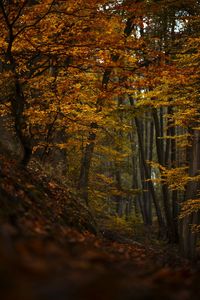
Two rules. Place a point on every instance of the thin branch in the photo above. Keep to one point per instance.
(19, 12)
(36, 22)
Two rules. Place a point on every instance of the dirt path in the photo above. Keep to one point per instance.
(77, 266)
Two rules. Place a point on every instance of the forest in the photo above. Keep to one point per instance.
(99, 149)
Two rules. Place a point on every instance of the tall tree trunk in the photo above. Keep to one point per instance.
(188, 238)
(148, 177)
(83, 183)
(165, 191)
(173, 158)
(119, 198)
(18, 101)
(18, 106)
(135, 176)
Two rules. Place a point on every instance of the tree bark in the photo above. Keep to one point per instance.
(188, 237)
(165, 192)
(18, 101)
(148, 177)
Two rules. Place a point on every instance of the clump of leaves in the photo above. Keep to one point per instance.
(190, 206)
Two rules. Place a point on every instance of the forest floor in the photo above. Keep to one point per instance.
(44, 257)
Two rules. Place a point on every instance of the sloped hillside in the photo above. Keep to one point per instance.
(32, 201)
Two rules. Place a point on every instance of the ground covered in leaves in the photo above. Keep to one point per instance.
(50, 249)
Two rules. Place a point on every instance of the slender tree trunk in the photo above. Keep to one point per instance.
(150, 156)
(188, 238)
(119, 198)
(148, 177)
(165, 191)
(18, 101)
(18, 106)
(175, 208)
(83, 183)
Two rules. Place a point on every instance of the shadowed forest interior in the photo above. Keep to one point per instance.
(99, 149)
